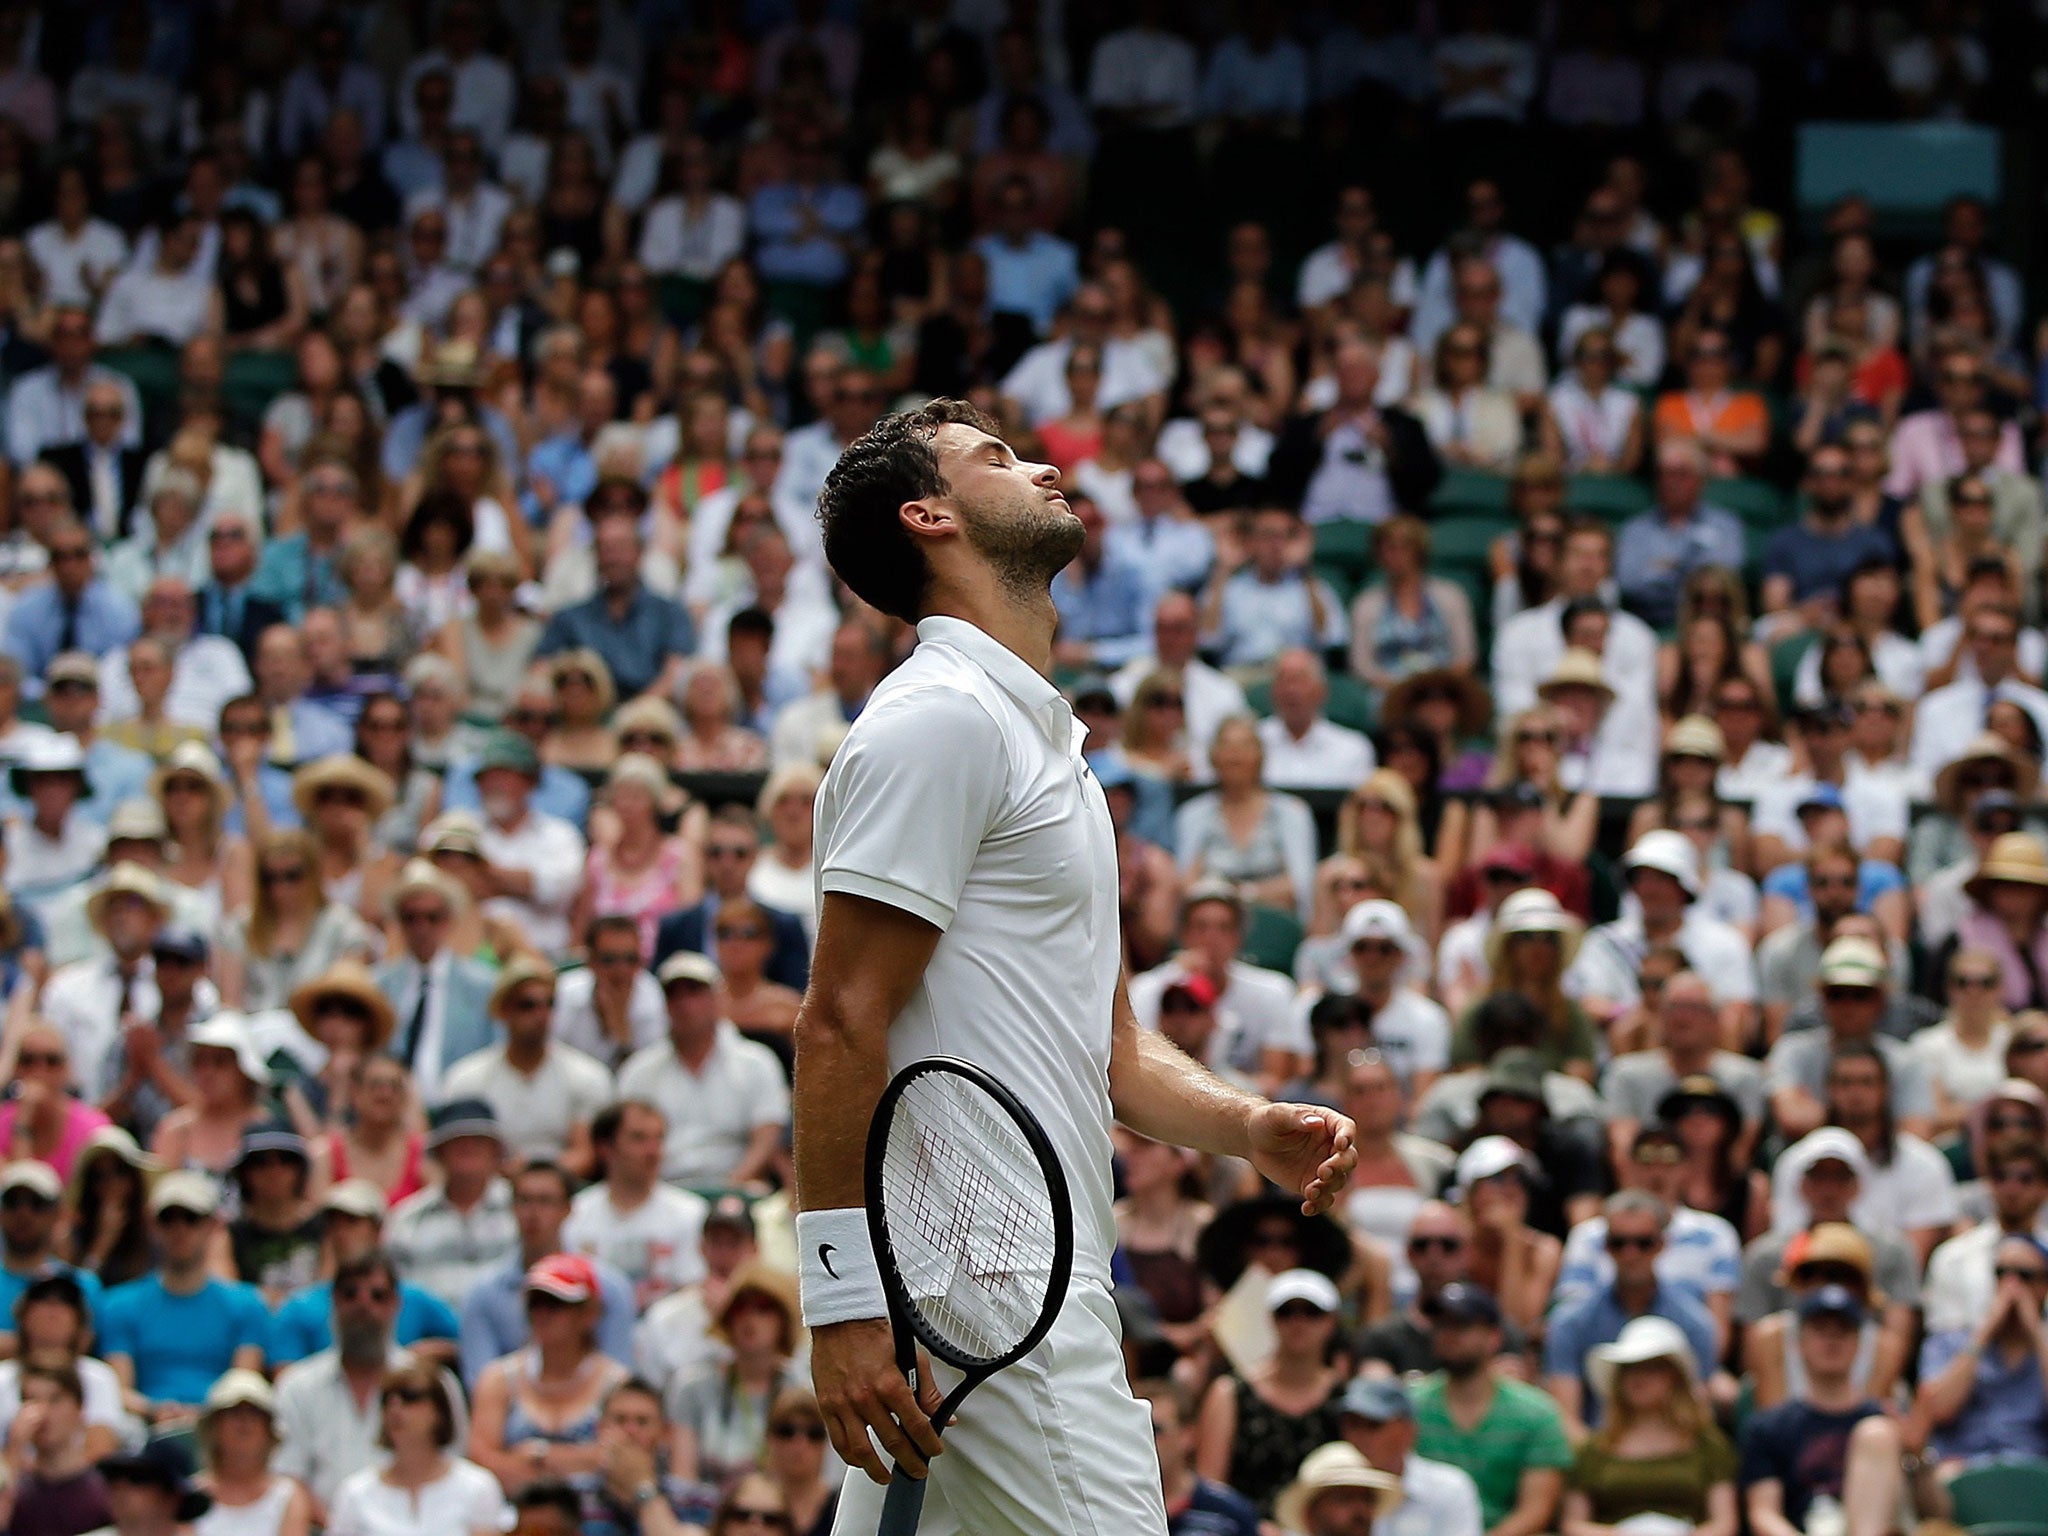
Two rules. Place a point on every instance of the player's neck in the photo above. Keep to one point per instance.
(1022, 623)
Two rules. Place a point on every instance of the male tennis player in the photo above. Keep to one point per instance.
(968, 882)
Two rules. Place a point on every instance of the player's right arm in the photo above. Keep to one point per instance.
(870, 958)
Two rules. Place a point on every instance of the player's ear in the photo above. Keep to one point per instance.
(928, 516)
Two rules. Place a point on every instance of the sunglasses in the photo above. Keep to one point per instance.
(406, 1395)
(1851, 994)
(815, 1433)
(769, 1517)
(422, 917)
(2021, 1272)
(633, 739)
(1424, 1242)
(1621, 1242)
(2027, 1045)
(2017, 1173)
(1974, 983)
(24, 1200)
(283, 876)
(41, 1059)
(1830, 1274)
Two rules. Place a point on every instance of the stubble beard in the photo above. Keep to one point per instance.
(1026, 548)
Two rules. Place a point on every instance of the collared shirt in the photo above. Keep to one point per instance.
(1172, 553)
(324, 1433)
(105, 619)
(45, 412)
(2005, 1417)
(1529, 646)
(209, 671)
(657, 1245)
(1945, 721)
(84, 1001)
(561, 794)
(1105, 607)
(447, 1251)
(1437, 1500)
(1960, 1284)
(576, 1024)
(1702, 1255)
(1607, 962)
(712, 1111)
(1004, 844)
(1925, 446)
(538, 1110)
(1034, 277)
(1325, 756)
(1800, 1060)
(494, 1316)
(1260, 619)
(1254, 1015)
(296, 578)
(1149, 72)
(427, 1050)
(781, 211)
(1039, 380)
(1654, 556)
(635, 645)
(552, 852)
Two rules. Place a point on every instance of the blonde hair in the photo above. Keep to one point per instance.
(1136, 716)
(1398, 868)
(298, 843)
(1682, 1410)
(804, 776)
(588, 662)
(1505, 770)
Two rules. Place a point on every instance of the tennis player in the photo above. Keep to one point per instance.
(968, 907)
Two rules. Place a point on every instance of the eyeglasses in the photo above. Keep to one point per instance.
(283, 876)
(1622, 1242)
(339, 794)
(1423, 1242)
(2021, 1272)
(41, 1059)
(815, 1433)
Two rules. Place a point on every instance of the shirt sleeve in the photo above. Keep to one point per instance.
(900, 822)
(117, 1337)
(771, 1091)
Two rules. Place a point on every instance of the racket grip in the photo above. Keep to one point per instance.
(903, 1506)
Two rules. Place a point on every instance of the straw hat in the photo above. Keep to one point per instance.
(1533, 910)
(2016, 858)
(1985, 747)
(1475, 704)
(760, 1279)
(127, 879)
(638, 768)
(518, 971)
(1695, 736)
(453, 832)
(111, 1141)
(343, 770)
(193, 760)
(423, 876)
(351, 981)
(1577, 668)
(1326, 1468)
(648, 714)
(1642, 1340)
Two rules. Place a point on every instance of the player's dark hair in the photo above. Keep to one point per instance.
(891, 463)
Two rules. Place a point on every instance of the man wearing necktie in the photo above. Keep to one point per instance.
(74, 611)
(103, 470)
(440, 1000)
(228, 604)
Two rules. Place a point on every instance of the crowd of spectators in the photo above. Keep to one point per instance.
(1557, 631)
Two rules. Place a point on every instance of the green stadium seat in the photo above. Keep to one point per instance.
(1616, 498)
(1271, 937)
(1350, 703)
(1785, 658)
(253, 379)
(2010, 1496)
(1464, 541)
(1758, 503)
(1345, 544)
(1470, 491)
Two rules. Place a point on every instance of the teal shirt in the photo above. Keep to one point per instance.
(1522, 1429)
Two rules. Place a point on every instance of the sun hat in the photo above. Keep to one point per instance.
(238, 1388)
(348, 981)
(127, 878)
(1695, 736)
(1533, 910)
(453, 832)
(361, 1198)
(229, 1031)
(343, 770)
(517, 972)
(190, 760)
(462, 1117)
(1308, 1285)
(1577, 668)
(641, 769)
(1669, 853)
(1984, 747)
(424, 877)
(688, 965)
(2016, 858)
(1326, 1468)
(1641, 1340)
(1475, 704)
(758, 1279)
(47, 753)
(139, 820)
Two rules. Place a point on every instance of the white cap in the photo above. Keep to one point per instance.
(229, 1031)
(1490, 1155)
(1311, 1286)
(1668, 852)
(35, 1176)
(1378, 919)
(1828, 1144)
(184, 1189)
(1642, 1339)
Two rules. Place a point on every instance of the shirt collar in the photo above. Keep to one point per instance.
(1009, 671)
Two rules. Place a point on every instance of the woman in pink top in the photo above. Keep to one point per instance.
(634, 867)
(43, 1120)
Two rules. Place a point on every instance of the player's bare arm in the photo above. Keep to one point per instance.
(870, 958)
(1159, 1091)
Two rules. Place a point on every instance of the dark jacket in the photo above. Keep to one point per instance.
(258, 614)
(789, 964)
(1413, 468)
(69, 461)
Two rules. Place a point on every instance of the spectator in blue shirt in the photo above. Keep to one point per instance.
(1981, 1388)
(1030, 272)
(76, 610)
(301, 570)
(1636, 1220)
(1273, 602)
(1808, 565)
(244, 746)
(31, 1204)
(170, 1334)
(644, 638)
(561, 793)
(1101, 598)
(1660, 547)
(303, 1324)
(808, 225)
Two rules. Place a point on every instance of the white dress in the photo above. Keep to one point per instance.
(463, 1499)
(261, 1516)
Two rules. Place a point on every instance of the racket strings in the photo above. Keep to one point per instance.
(969, 1216)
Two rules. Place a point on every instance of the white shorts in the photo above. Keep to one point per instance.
(1053, 1446)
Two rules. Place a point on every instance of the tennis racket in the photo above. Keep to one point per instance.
(973, 1232)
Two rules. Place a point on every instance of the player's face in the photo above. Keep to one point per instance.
(1012, 510)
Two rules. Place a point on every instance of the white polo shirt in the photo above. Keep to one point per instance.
(713, 1112)
(656, 1245)
(539, 1112)
(961, 797)
(1329, 756)
(1255, 1014)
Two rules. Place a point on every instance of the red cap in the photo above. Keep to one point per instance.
(1196, 986)
(567, 1277)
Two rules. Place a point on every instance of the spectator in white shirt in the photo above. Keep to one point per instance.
(1304, 749)
(544, 1092)
(652, 1232)
(1144, 76)
(206, 670)
(533, 862)
(1949, 718)
(611, 1007)
(77, 254)
(692, 229)
(485, 90)
(165, 294)
(475, 209)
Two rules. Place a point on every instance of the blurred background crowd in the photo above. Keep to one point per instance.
(1559, 632)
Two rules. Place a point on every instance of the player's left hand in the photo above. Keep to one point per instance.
(1305, 1148)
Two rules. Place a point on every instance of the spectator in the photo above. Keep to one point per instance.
(1981, 1388)
(725, 1098)
(1195, 1506)
(1506, 1435)
(171, 1333)
(1527, 649)
(1654, 1414)
(544, 1093)
(1409, 623)
(1808, 565)
(1356, 460)
(1337, 1492)
(632, 1439)
(1254, 1429)
(1659, 548)
(238, 1437)
(532, 860)
(643, 637)
(450, 1235)
(422, 1490)
(612, 1006)
(649, 1231)
(152, 1490)
(1208, 696)
(1377, 1420)
(732, 847)
(76, 610)
(806, 224)
(1854, 980)
(443, 997)
(31, 1196)
(303, 1324)
(721, 1415)
(57, 1489)
(1100, 598)
(1274, 863)
(46, 406)
(1636, 1084)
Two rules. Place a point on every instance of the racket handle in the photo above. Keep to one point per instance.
(903, 1506)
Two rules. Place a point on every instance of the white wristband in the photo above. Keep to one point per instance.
(836, 1268)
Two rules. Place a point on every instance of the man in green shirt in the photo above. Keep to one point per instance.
(1507, 1435)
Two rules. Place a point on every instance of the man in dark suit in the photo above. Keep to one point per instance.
(105, 477)
(733, 845)
(226, 605)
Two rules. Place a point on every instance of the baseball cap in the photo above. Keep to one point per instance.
(73, 667)
(688, 965)
(567, 1277)
(1302, 1285)
(1488, 1157)
(140, 820)
(462, 1117)
(731, 1213)
(1381, 1399)
(239, 1388)
(1853, 962)
(1829, 1144)
(38, 1178)
(178, 942)
(356, 1197)
(184, 1189)
(1462, 1302)
(1669, 853)
(1822, 797)
(1832, 1301)
(1194, 987)
(1517, 1071)
(1378, 919)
